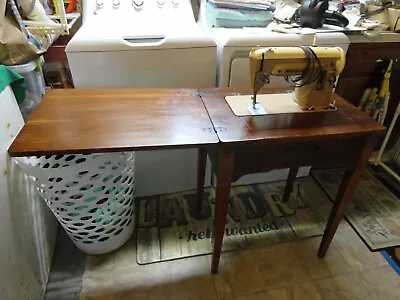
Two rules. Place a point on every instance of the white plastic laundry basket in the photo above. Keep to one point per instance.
(92, 196)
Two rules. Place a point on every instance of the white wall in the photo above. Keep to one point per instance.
(27, 227)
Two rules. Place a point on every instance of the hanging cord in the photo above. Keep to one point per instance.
(311, 73)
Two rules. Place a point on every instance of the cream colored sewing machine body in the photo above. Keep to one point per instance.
(290, 61)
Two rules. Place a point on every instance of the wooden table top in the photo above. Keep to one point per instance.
(230, 128)
(112, 120)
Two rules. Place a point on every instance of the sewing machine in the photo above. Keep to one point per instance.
(311, 70)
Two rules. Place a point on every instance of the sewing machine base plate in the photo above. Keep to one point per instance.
(268, 104)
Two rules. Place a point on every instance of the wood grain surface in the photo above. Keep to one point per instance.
(260, 143)
(233, 129)
(344, 195)
(112, 120)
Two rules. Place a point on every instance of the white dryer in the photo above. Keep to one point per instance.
(233, 47)
(145, 43)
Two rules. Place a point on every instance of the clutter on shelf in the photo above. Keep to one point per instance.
(292, 16)
(375, 102)
(27, 82)
(240, 13)
(29, 27)
(375, 99)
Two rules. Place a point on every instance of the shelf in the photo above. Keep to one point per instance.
(63, 24)
(39, 28)
(56, 52)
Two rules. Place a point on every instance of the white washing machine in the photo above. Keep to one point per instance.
(146, 43)
(233, 47)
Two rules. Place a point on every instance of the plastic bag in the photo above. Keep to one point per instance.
(14, 46)
(29, 105)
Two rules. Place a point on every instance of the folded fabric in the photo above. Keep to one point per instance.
(244, 4)
(286, 28)
(237, 18)
(16, 81)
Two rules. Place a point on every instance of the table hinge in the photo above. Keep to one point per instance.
(208, 129)
(215, 129)
(220, 129)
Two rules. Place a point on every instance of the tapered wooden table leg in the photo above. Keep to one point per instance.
(222, 196)
(289, 183)
(201, 172)
(344, 195)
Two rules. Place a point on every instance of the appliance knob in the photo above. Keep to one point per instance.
(138, 3)
(160, 2)
(99, 3)
(116, 3)
(175, 3)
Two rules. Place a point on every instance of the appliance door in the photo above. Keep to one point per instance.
(164, 68)
(164, 171)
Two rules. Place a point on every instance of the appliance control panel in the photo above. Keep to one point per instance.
(132, 18)
(151, 10)
(138, 4)
(133, 13)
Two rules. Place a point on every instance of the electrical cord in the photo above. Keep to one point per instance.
(311, 73)
(307, 75)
